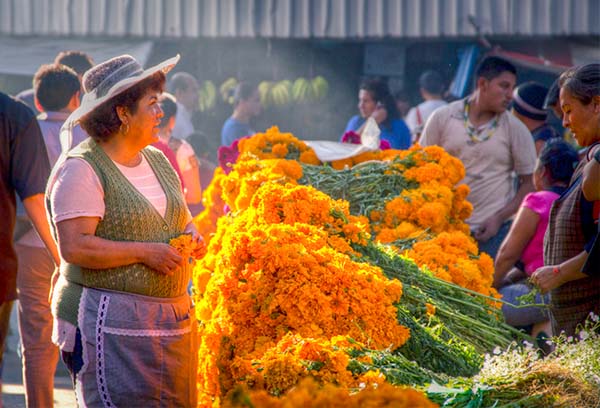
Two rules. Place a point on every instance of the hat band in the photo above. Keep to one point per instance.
(130, 69)
(527, 107)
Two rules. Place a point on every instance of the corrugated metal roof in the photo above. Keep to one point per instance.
(333, 19)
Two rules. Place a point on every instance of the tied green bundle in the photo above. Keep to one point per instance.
(366, 186)
(464, 326)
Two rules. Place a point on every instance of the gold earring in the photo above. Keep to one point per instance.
(126, 128)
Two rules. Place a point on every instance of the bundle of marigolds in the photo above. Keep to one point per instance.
(294, 286)
(285, 265)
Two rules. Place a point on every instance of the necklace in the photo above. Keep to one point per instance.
(478, 135)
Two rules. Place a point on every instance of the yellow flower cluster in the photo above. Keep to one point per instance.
(453, 256)
(293, 358)
(285, 265)
(248, 175)
(309, 393)
(276, 145)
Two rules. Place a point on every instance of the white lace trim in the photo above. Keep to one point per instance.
(147, 333)
(100, 367)
(84, 355)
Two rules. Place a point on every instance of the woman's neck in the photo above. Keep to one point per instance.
(121, 153)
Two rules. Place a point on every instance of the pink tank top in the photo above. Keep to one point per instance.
(539, 202)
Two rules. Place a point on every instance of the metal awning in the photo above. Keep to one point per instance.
(23, 56)
(298, 19)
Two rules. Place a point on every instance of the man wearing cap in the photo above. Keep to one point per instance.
(528, 107)
(492, 145)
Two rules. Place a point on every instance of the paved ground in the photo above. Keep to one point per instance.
(13, 393)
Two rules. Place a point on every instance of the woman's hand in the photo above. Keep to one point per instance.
(380, 113)
(161, 257)
(197, 240)
(547, 278)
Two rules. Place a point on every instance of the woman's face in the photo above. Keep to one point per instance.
(582, 120)
(366, 103)
(145, 122)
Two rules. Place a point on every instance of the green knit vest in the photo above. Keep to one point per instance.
(129, 216)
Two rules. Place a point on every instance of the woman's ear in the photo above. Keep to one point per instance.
(596, 102)
(122, 114)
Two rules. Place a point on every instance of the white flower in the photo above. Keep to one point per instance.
(594, 317)
(497, 350)
(583, 335)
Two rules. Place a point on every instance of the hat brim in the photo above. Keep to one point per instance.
(90, 100)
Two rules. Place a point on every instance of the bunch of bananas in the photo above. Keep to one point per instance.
(226, 89)
(207, 95)
(280, 93)
(304, 90)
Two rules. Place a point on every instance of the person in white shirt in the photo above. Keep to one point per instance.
(186, 90)
(431, 87)
(492, 144)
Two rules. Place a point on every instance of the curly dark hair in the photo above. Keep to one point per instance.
(380, 92)
(104, 122)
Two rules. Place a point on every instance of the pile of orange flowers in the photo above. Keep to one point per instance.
(309, 393)
(285, 265)
(274, 144)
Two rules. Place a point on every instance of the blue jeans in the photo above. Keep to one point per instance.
(492, 245)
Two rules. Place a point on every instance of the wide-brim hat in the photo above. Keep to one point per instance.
(110, 83)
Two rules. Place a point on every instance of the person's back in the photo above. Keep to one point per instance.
(24, 170)
(185, 89)
(56, 95)
(247, 105)
(431, 87)
(492, 144)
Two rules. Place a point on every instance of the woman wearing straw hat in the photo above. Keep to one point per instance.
(574, 290)
(123, 319)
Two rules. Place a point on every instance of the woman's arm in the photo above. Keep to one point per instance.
(553, 276)
(521, 232)
(78, 245)
(591, 179)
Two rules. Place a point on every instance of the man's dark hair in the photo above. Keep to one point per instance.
(243, 91)
(432, 82)
(54, 85)
(77, 60)
(493, 67)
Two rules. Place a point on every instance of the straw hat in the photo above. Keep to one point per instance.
(110, 78)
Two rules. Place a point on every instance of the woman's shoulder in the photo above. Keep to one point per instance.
(539, 201)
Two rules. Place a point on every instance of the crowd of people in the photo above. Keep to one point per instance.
(112, 168)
